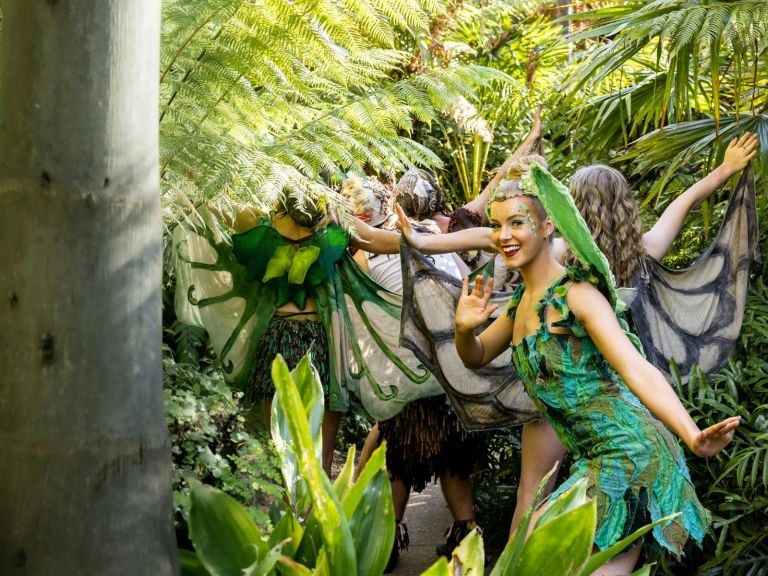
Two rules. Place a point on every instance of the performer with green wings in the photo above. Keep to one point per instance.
(284, 283)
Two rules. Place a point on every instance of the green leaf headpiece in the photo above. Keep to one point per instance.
(561, 209)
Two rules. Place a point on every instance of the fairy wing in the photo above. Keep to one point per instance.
(365, 326)
(487, 398)
(693, 316)
(212, 292)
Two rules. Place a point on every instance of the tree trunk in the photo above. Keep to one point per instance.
(85, 466)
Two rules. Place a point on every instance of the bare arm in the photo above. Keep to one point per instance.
(471, 312)
(468, 239)
(738, 154)
(594, 312)
(373, 239)
(477, 205)
(361, 257)
(244, 220)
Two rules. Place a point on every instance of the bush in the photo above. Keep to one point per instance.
(209, 442)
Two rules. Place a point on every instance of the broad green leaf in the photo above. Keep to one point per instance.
(343, 482)
(375, 463)
(373, 526)
(605, 556)
(469, 556)
(191, 565)
(289, 567)
(644, 571)
(265, 566)
(311, 392)
(311, 540)
(287, 531)
(439, 568)
(226, 539)
(513, 549)
(337, 539)
(573, 498)
(560, 547)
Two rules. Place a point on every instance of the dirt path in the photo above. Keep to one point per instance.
(427, 518)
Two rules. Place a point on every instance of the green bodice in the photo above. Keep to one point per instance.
(630, 458)
(294, 268)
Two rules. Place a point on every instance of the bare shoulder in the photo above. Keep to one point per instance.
(585, 300)
(246, 219)
(559, 248)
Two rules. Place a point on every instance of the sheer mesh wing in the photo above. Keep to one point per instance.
(491, 397)
(381, 373)
(693, 316)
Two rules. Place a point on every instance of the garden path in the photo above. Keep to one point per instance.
(427, 518)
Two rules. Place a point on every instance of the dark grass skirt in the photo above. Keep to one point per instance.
(291, 338)
(425, 440)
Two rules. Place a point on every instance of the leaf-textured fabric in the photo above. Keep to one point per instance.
(635, 469)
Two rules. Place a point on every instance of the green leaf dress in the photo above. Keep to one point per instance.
(634, 466)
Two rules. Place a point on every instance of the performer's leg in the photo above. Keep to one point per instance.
(331, 421)
(401, 492)
(371, 443)
(541, 449)
(458, 495)
(624, 563)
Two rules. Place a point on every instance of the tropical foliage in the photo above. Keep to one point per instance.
(259, 97)
(561, 543)
(348, 528)
(319, 528)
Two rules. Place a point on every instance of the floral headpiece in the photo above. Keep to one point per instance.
(520, 185)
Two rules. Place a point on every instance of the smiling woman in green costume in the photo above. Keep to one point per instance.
(610, 407)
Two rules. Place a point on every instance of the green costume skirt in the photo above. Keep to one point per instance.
(292, 338)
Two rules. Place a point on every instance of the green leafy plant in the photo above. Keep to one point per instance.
(560, 543)
(259, 97)
(210, 442)
(319, 528)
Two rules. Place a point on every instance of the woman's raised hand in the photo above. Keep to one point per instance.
(739, 152)
(473, 309)
(710, 441)
(413, 238)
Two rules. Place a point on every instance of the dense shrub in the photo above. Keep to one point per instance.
(210, 441)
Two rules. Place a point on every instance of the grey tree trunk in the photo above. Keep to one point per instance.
(84, 454)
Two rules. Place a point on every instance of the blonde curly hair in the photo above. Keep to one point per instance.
(604, 199)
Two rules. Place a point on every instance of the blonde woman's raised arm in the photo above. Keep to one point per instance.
(738, 154)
